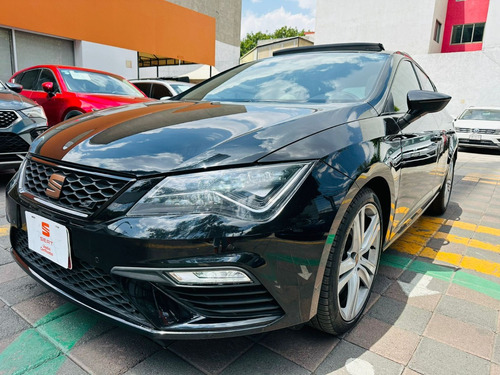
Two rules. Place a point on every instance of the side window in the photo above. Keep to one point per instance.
(144, 87)
(405, 80)
(18, 78)
(159, 91)
(29, 78)
(46, 76)
(424, 80)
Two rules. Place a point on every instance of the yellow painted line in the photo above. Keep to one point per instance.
(481, 181)
(4, 230)
(474, 227)
(468, 242)
(479, 265)
(443, 256)
(488, 230)
(485, 176)
(407, 247)
(462, 225)
(415, 239)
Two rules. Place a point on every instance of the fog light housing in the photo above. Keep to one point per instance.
(209, 276)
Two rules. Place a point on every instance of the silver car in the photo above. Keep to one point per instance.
(21, 121)
(160, 88)
(479, 127)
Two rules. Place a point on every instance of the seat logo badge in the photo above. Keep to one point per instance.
(55, 185)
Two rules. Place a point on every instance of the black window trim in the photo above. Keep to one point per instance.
(57, 86)
(474, 24)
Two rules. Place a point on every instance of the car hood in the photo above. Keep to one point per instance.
(12, 100)
(162, 137)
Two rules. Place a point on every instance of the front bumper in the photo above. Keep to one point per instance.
(490, 141)
(118, 273)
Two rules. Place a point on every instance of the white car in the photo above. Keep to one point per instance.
(161, 88)
(479, 127)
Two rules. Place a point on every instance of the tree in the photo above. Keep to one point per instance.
(251, 39)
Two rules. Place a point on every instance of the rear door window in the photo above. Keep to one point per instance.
(159, 91)
(145, 87)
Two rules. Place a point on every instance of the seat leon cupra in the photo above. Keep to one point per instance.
(261, 199)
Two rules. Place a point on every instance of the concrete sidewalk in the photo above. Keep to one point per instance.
(434, 310)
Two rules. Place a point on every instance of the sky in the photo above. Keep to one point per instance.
(269, 15)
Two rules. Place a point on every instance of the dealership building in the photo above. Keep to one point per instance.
(135, 39)
(457, 42)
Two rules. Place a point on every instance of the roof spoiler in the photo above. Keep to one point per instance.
(372, 47)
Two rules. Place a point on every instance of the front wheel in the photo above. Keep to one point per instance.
(352, 265)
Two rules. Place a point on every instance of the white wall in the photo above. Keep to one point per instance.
(491, 39)
(440, 10)
(405, 25)
(471, 78)
(110, 59)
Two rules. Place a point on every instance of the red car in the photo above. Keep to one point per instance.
(68, 91)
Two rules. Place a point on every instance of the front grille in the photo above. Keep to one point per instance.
(227, 302)
(479, 131)
(10, 142)
(83, 279)
(7, 118)
(81, 191)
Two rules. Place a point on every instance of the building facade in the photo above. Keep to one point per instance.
(265, 48)
(424, 26)
(457, 42)
(200, 32)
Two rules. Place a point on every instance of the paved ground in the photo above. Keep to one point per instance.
(435, 310)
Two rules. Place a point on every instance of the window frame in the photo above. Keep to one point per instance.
(474, 25)
(437, 31)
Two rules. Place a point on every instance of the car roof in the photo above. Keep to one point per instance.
(56, 67)
(161, 81)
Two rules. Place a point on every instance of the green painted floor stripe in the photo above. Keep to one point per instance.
(478, 284)
(395, 261)
(450, 274)
(54, 314)
(28, 351)
(40, 350)
(64, 332)
(433, 270)
(50, 367)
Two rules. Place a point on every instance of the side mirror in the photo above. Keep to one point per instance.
(48, 87)
(421, 102)
(16, 87)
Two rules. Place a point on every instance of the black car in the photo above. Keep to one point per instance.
(260, 199)
(21, 121)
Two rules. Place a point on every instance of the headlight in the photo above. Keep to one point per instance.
(34, 112)
(255, 193)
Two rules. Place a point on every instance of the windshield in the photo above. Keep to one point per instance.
(97, 83)
(179, 87)
(305, 78)
(481, 114)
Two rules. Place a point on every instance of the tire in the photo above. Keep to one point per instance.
(352, 265)
(72, 113)
(440, 203)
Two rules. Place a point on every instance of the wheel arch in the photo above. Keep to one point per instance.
(379, 177)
